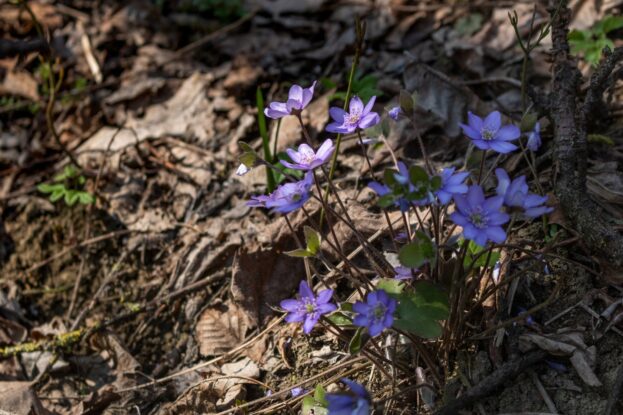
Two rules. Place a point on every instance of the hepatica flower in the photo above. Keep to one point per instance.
(451, 184)
(403, 273)
(358, 117)
(376, 314)
(308, 308)
(490, 133)
(287, 197)
(357, 402)
(305, 158)
(480, 218)
(534, 138)
(516, 195)
(394, 113)
(298, 99)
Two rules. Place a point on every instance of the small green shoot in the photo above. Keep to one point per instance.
(67, 186)
(316, 404)
(591, 42)
(312, 241)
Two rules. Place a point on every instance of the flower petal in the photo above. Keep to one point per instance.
(296, 94)
(502, 147)
(305, 291)
(503, 181)
(493, 122)
(475, 196)
(508, 133)
(369, 105)
(469, 131)
(474, 121)
(308, 94)
(496, 234)
(324, 296)
(356, 105)
(482, 144)
(290, 304)
(369, 120)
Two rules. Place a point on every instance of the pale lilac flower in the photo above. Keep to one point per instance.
(490, 133)
(297, 392)
(480, 218)
(403, 273)
(516, 195)
(358, 117)
(357, 402)
(376, 314)
(298, 99)
(308, 308)
(305, 158)
(451, 184)
(394, 113)
(287, 197)
(534, 138)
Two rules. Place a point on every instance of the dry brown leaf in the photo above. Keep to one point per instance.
(220, 329)
(20, 83)
(19, 398)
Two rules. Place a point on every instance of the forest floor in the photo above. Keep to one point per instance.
(159, 297)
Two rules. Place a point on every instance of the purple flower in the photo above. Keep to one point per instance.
(451, 184)
(297, 391)
(480, 218)
(534, 138)
(306, 159)
(355, 403)
(516, 195)
(490, 133)
(377, 313)
(298, 98)
(403, 273)
(403, 178)
(308, 308)
(287, 197)
(359, 117)
(394, 113)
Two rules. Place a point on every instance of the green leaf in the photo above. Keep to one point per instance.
(435, 183)
(71, 197)
(340, 319)
(417, 175)
(473, 251)
(319, 395)
(391, 286)
(431, 301)
(407, 104)
(600, 138)
(354, 346)
(386, 201)
(528, 121)
(299, 253)
(346, 307)
(468, 25)
(49, 188)
(327, 83)
(388, 176)
(419, 312)
(312, 239)
(57, 194)
(86, 198)
(609, 23)
(417, 253)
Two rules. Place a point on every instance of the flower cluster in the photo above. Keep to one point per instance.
(516, 195)
(287, 197)
(490, 134)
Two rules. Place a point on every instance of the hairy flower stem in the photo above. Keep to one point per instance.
(360, 31)
(305, 132)
(300, 245)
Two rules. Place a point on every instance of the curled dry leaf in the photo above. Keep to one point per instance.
(221, 328)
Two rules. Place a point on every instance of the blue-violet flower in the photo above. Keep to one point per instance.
(305, 158)
(355, 403)
(287, 197)
(480, 218)
(534, 138)
(516, 195)
(358, 117)
(490, 133)
(298, 99)
(394, 113)
(403, 273)
(308, 308)
(377, 313)
(451, 184)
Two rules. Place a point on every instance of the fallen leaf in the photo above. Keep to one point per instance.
(20, 399)
(20, 83)
(221, 328)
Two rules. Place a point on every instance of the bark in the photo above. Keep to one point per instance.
(569, 117)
